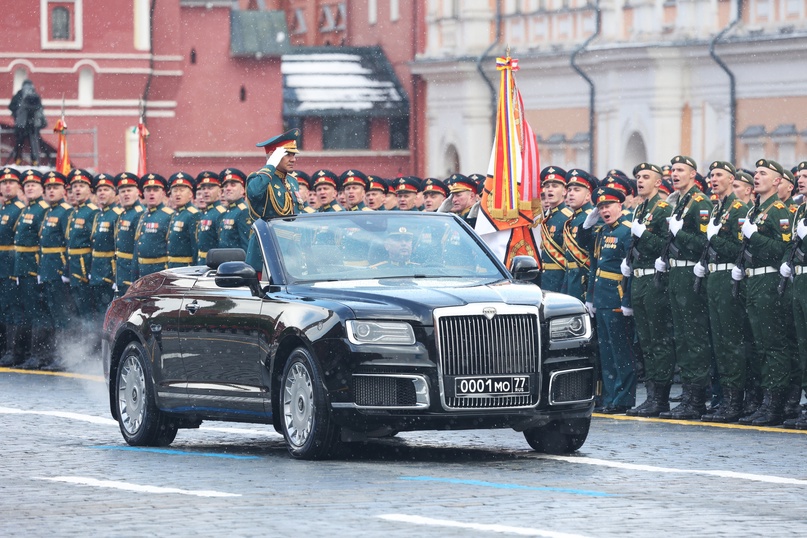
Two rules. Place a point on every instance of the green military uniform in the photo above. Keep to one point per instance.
(10, 306)
(553, 258)
(693, 346)
(207, 230)
(234, 226)
(330, 207)
(79, 249)
(102, 265)
(181, 247)
(151, 241)
(799, 275)
(125, 230)
(576, 254)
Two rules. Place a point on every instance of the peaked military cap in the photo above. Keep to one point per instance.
(621, 183)
(479, 179)
(102, 180)
(553, 174)
(54, 178)
(614, 172)
(700, 181)
(302, 177)
(606, 195)
(723, 165)
(646, 166)
(181, 179)
(31, 175)
(378, 184)
(459, 182)
(666, 186)
(431, 184)
(689, 161)
(354, 177)
(666, 169)
(125, 179)
(772, 165)
(407, 184)
(232, 174)
(152, 180)
(79, 174)
(325, 177)
(9, 174)
(287, 140)
(206, 177)
(578, 176)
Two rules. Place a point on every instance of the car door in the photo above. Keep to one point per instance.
(220, 350)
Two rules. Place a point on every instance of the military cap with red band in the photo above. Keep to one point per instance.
(9, 174)
(181, 179)
(607, 195)
(126, 179)
(302, 178)
(103, 180)
(32, 175)
(354, 177)
(79, 175)
(207, 177)
(459, 183)
(287, 140)
(152, 180)
(553, 174)
(54, 178)
(325, 177)
(377, 184)
(232, 174)
(431, 184)
(577, 176)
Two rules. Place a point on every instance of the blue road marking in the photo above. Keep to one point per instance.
(458, 481)
(173, 452)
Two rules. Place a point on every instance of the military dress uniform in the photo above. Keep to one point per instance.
(151, 237)
(79, 248)
(125, 231)
(102, 264)
(272, 194)
(235, 224)
(690, 309)
(605, 293)
(770, 314)
(553, 257)
(576, 245)
(726, 312)
(207, 229)
(326, 177)
(798, 248)
(355, 177)
(651, 302)
(10, 307)
(182, 248)
(457, 183)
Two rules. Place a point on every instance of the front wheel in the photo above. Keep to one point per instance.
(141, 422)
(559, 437)
(306, 423)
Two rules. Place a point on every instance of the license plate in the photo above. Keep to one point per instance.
(492, 386)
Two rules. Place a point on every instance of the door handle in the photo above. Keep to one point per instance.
(192, 307)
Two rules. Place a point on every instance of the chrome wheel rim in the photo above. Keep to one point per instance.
(298, 404)
(131, 395)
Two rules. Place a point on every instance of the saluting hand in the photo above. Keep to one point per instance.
(591, 218)
(276, 156)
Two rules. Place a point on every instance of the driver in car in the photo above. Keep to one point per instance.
(398, 245)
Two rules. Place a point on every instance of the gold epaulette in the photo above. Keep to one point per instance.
(737, 204)
(698, 197)
(242, 206)
(168, 210)
(139, 208)
(19, 204)
(117, 210)
(793, 208)
(778, 204)
(337, 208)
(566, 211)
(662, 204)
(92, 206)
(65, 205)
(44, 204)
(626, 223)
(221, 209)
(365, 208)
(192, 209)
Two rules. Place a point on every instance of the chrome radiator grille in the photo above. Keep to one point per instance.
(473, 345)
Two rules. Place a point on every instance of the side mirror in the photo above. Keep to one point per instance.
(237, 275)
(524, 268)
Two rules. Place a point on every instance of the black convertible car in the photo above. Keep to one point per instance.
(361, 325)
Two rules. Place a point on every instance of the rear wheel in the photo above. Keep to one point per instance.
(307, 425)
(141, 422)
(560, 436)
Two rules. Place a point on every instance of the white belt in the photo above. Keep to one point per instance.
(713, 267)
(643, 272)
(681, 263)
(799, 270)
(761, 271)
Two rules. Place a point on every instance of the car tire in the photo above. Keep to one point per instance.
(141, 421)
(559, 437)
(306, 420)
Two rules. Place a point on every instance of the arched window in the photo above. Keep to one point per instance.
(60, 24)
(86, 86)
(452, 160)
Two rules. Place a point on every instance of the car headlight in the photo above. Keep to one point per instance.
(380, 332)
(567, 328)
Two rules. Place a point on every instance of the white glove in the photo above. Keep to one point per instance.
(627, 311)
(38, 279)
(699, 270)
(17, 280)
(749, 228)
(660, 266)
(737, 274)
(785, 270)
(625, 268)
(801, 229)
(115, 287)
(65, 279)
(591, 309)
(637, 228)
(276, 156)
(712, 229)
(591, 218)
(675, 225)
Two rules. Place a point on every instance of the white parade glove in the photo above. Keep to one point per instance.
(276, 156)
(711, 230)
(624, 267)
(637, 228)
(785, 270)
(801, 229)
(17, 280)
(675, 225)
(627, 311)
(65, 279)
(591, 218)
(737, 274)
(699, 270)
(590, 308)
(749, 228)
(38, 279)
(660, 266)
(114, 287)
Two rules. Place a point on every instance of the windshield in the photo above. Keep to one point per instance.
(366, 245)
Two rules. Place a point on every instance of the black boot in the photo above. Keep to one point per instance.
(753, 399)
(40, 350)
(774, 413)
(659, 404)
(692, 406)
(793, 402)
(8, 355)
(650, 386)
(730, 410)
(793, 423)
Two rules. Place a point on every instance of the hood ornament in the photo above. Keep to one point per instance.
(489, 312)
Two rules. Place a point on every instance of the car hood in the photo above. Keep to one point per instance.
(412, 298)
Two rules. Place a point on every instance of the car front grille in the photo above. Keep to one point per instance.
(571, 386)
(475, 344)
(382, 391)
